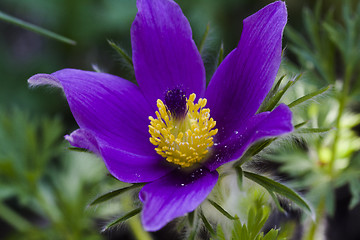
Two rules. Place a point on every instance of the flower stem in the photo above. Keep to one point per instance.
(10, 19)
(14, 219)
(342, 103)
(137, 230)
(314, 226)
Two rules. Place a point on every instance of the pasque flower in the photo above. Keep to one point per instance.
(170, 131)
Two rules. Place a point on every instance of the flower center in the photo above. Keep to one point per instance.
(183, 130)
(175, 101)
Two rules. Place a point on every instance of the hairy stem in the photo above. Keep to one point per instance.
(314, 225)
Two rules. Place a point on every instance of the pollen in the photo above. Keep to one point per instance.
(183, 141)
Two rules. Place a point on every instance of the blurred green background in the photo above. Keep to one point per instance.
(90, 23)
(41, 182)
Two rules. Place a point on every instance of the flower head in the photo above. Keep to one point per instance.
(156, 131)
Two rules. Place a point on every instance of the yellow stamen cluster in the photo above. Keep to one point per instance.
(183, 141)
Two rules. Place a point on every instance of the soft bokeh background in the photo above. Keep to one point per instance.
(91, 23)
(40, 180)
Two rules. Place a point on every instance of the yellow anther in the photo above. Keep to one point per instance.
(183, 141)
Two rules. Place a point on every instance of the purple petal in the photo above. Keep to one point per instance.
(136, 168)
(174, 195)
(246, 75)
(113, 115)
(267, 124)
(164, 54)
(83, 138)
(44, 79)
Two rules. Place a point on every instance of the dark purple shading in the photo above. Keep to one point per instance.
(175, 101)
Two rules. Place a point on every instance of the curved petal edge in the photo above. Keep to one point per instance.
(246, 75)
(113, 116)
(83, 138)
(174, 195)
(260, 126)
(44, 79)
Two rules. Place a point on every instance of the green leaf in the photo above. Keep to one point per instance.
(207, 224)
(313, 130)
(191, 217)
(244, 233)
(276, 201)
(10, 19)
(221, 55)
(308, 96)
(76, 149)
(122, 53)
(221, 210)
(203, 39)
(256, 220)
(123, 218)
(219, 233)
(271, 235)
(115, 193)
(271, 94)
(125, 62)
(257, 217)
(275, 187)
(275, 89)
(240, 176)
(253, 150)
(274, 100)
(237, 231)
(299, 125)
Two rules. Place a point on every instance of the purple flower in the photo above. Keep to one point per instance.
(156, 131)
